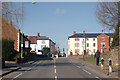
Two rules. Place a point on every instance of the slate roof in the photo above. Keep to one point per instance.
(43, 38)
(88, 35)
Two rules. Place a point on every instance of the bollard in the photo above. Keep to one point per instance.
(57, 56)
(102, 62)
(52, 55)
(110, 64)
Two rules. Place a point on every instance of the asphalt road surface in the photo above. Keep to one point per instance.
(61, 68)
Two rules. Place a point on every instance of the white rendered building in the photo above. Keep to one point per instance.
(77, 43)
(40, 43)
(88, 42)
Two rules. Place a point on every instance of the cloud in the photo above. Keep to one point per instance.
(60, 11)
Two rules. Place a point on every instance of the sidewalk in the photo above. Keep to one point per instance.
(94, 67)
(12, 66)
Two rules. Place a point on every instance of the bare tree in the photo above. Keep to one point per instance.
(107, 14)
(11, 13)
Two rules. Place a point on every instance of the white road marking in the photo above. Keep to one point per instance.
(55, 77)
(55, 70)
(54, 66)
(78, 66)
(98, 78)
(86, 71)
(17, 75)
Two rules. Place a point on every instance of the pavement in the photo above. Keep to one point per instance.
(91, 65)
(56, 69)
(11, 66)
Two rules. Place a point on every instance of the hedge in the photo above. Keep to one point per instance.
(7, 48)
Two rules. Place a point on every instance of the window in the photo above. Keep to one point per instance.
(43, 41)
(42, 46)
(93, 39)
(87, 39)
(76, 44)
(76, 39)
(87, 44)
(103, 38)
(93, 44)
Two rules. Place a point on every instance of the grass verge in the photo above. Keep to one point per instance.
(93, 59)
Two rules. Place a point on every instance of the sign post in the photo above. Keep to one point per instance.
(26, 44)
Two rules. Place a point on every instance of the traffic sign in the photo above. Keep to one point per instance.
(83, 43)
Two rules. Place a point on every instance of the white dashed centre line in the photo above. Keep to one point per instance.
(55, 70)
(86, 71)
(55, 77)
(54, 66)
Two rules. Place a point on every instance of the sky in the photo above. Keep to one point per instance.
(58, 20)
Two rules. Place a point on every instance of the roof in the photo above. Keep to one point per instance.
(89, 35)
(43, 38)
(33, 39)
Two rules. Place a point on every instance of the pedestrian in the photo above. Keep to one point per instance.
(97, 56)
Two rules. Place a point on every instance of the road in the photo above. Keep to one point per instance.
(54, 69)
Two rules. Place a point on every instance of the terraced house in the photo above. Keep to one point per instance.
(89, 42)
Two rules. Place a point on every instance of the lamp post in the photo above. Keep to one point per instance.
(22, 36)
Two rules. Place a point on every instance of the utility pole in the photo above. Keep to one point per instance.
(22, 33)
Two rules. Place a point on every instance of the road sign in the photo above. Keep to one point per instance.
(26, 44)
(83, 43)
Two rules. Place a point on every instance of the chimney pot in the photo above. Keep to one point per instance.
(84, 32)
(74, 32)
(38, 35)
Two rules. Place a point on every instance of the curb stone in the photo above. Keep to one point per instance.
(10, 71)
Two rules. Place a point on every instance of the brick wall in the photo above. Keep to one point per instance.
(106, 41)
(9, 32)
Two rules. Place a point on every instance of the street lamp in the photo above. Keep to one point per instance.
(22, 39)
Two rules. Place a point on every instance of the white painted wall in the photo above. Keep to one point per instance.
(39, 45)
(91, 48)
(33, 47)
(71, 45)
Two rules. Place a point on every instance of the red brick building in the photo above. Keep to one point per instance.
(9, 32)
(104, 42)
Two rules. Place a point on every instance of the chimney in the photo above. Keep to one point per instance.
(38, 35)
(74, 32)
(19, 30)
(84, 32)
